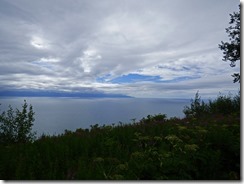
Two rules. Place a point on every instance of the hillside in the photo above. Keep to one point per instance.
(205, 145)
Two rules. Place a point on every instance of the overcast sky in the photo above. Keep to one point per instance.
(140, 48)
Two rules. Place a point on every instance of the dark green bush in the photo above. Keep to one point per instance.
(224, 104)
(16, 126)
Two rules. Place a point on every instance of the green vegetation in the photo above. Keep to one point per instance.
(16, 126)
(223, 105)
(205, 145)
(231, 50)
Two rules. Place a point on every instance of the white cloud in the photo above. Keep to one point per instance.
(39, 43)
(50, 59)
(70, 44)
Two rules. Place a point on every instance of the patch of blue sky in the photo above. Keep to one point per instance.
(103, 79)
(131, 78)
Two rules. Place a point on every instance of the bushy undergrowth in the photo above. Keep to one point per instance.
(155, 148)
(224, 104)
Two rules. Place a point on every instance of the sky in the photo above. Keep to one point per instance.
(139, 48)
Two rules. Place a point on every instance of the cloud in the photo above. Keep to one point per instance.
(76, 45)
(179, 89)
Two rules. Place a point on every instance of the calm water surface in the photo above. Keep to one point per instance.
(54, 115)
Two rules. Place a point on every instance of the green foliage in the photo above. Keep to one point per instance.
(154, 119)
(197, 108)
(16, 126)
(224, 105)
(155, 148)
(231, 50)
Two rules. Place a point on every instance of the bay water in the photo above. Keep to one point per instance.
(54, 115)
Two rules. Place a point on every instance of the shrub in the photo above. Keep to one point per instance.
(224, 104)
(197, 108)
(154, 119)
(16, 126)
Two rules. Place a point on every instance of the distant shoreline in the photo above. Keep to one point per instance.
(37, 93)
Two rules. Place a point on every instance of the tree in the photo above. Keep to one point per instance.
(198, 108)
(16, 126)
(231, 50)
